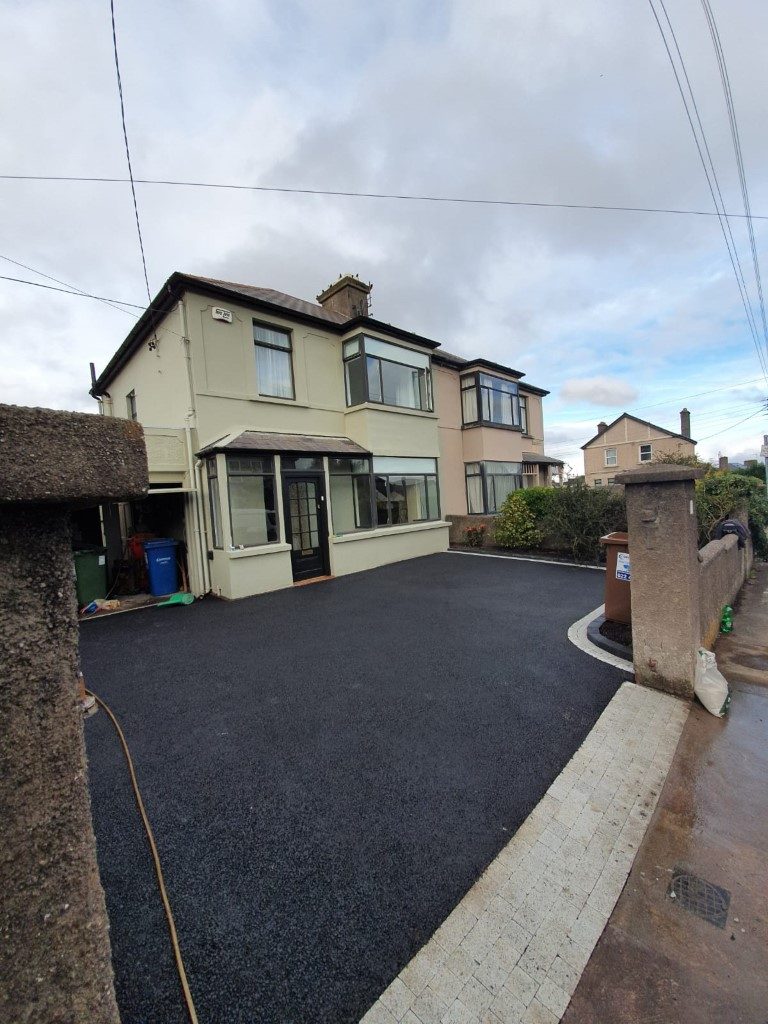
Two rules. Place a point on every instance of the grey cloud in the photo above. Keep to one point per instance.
(599, 391)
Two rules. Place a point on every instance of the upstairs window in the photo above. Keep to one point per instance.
(646, 452)
(130, 403)
(611, 457)
(274, 369)
(524, 414)
(490, 401)
(376, 371)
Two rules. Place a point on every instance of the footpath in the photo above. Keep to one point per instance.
(700, 955)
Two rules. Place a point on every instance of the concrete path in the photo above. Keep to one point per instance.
(514, 948)
(658, 961)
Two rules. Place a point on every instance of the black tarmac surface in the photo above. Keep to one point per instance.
(327, 769)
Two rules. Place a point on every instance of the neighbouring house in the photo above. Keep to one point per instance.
(629, 442)
(288, 439)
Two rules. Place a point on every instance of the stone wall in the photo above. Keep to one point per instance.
(723, 568)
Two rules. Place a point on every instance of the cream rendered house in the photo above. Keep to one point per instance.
(629, 442)
(289, 440)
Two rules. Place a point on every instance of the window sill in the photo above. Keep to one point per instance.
(494, 426)
(389, 531)
(399, 409)
(259, 549)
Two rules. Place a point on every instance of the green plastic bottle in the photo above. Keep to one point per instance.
(726, 622)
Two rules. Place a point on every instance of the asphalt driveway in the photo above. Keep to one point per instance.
(327, 770)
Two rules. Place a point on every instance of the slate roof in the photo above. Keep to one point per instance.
(250, 291)
(266, 441)
(542, 460)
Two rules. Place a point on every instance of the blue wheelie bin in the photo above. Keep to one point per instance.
(161, 566)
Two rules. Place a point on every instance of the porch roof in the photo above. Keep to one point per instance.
(266, 441)
(541, 460)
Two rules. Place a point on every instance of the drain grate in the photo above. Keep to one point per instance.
(700, 897)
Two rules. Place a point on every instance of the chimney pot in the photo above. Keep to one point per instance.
(722, 462)
(601, 426)
(348, 296)
(685, 423)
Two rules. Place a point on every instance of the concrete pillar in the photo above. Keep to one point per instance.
(55, 959)
(663, 551)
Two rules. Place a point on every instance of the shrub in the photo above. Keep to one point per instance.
(579, 516)
(515, 526)
(723, 495)
(475, 535)
(538, 499)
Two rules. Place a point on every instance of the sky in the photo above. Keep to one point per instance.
(533, 100)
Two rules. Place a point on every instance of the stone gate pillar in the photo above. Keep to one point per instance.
(663, 551)
(55, 961)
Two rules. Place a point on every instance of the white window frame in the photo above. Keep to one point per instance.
(615, 461)
(598, 482)
(649, 446)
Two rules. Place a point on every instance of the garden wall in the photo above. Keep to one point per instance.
(723, 568)
(460, 523)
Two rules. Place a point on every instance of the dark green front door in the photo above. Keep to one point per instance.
(306, 527)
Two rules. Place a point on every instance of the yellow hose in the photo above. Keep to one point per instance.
(155, 858)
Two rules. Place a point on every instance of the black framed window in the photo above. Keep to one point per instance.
(252, 505)
(405, 490)
(523, 413)
(274, 368)
(351, 504)
(490, 401)
(301, 464)
(489, 483)
(214, 499)
(377, 371)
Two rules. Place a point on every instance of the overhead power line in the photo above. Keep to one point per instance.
(734, 126)
(128, 150)
(707, 164)
(349, 194)
(732, 425)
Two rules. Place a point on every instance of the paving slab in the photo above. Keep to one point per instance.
(658, 961)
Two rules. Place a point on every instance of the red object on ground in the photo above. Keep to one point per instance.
(136, 545)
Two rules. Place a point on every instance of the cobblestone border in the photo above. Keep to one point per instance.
(513, 950)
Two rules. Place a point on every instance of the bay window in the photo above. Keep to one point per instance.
(489, 483)
(490, 401)
(377, 371)
(274, 369)
(384, 491)
(252, 506)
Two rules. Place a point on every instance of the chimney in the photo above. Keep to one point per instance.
(722, 462)
(685, 423)
(349, 296)
(601, 426)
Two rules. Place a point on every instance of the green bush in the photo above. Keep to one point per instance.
(723, 495)
(538, 500)
(515, 526)
(579, 516)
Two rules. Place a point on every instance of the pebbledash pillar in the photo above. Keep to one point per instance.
(55, 960)
(663, 551)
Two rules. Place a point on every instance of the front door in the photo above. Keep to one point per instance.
(306, 525)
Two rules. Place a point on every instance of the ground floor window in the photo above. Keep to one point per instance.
(252, 507)
(214, 501)
(351, 494)
(489, 483)
(384, 491)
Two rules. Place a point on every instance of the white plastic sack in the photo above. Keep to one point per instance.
(710, 685)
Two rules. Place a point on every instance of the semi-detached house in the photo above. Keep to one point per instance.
(288, 439)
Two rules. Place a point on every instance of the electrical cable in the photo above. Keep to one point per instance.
(738, 423)
(127, 149)
(349, 194)
(734, 126)
(723, 220)
(155, 858)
